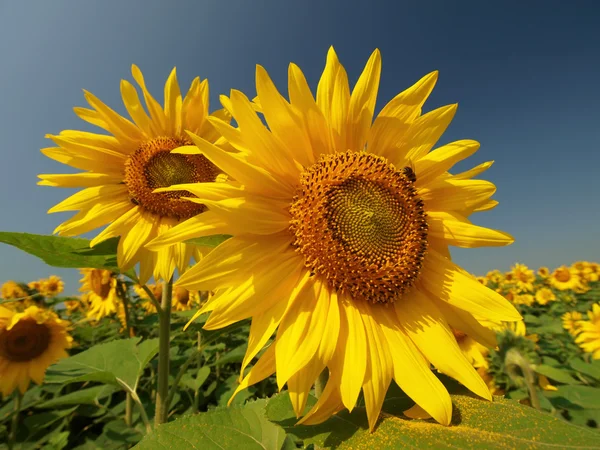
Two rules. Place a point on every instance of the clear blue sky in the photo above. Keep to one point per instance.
(525, 75)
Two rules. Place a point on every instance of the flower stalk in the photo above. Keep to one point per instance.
(162, 391)
(14, 425)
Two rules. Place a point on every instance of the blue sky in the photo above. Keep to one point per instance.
(525, 75)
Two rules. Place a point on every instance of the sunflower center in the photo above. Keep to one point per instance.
(25, 341)
(563, 275)
(100, 285)
(360, 225)
(153, 166)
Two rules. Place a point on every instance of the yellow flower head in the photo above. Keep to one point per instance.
(35, 285)
(523, 276)
(588, 336)
(341, 228)
(570, 321)
(99, 288)
(473, 350)
(184, 300)
(523, 299)
(544, 272)
(52, 286)
(564, 278)
(30, 341)
(495, 276)
(122, 170)
(544, 296)
(482, 280)
(12, 290)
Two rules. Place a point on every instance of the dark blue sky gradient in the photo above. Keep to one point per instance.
(525, 75)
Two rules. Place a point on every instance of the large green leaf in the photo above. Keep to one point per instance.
(119, 362)
(476, 424)
(238, 427)
(592, 370)
(556, 374)
(66, 252)
(583, 396)
(89, 396)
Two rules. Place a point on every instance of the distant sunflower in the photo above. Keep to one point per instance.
(482, 280)
(52, 286)
(100, 290)
(524, 277)
(35, 285)
(543, 272)
(588, 336)
(570, 321)
(122, 170)
(12, 290)
(523, 299)
(544, 296)
(494, 276)
(30, 341)
(564, 278)
(147, 304)
(184, 300)
(341, 233)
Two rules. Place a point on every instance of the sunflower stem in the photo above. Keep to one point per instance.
(153, 298)
(321, 382)
(14, 425)
(514, 359)
(128, 409)
(138, 402)
(162, 390)
(125, 301)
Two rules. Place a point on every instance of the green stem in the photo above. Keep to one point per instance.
(153, 298)
(182, 371)
(145, 419)
(14, 425)
(164, 328)
(125, 301)
(128, 410)
(514, 359)
(321, 382)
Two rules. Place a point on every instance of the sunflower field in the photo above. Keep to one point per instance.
(94, 386)
(277, 274)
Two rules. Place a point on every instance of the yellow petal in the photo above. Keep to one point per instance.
(301, 330)
(416, 412)
(445, 281)
(465, 322)
(264, 368)
(329, 403)
(173, 104)
(157, 114)
(73, 180)
(133, 240)
(442, 159)
(459, 232)
(396, 117)
(86, 198)
(411, 370)
(134, 107)
(427, 328)
(456, 195)
(423, 135)
(300, 383)
(362, 103)
(98, 215)
(471, 173)
(283, 122)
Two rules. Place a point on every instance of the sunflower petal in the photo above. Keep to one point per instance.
(458, 231)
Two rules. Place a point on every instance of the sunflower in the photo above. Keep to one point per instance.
(482, 280)
(184, 300)
(30, 341)
(11, 290)
(494, 276)
(570, 321)
(523, 276)
(122, 170)
(341, 229)
(543, 272)
(523, 299)
(147, 304)
(544, 296)
(52, 286)
(35, 285)
(589, 332)
(74, 305)
(99, 289)
(564, 278)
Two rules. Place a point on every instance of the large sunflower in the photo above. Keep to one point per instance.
(121, 171)
(341, 232)
(30, 341)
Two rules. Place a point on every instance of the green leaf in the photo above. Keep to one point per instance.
(119, 363)
(40, 421)
(583, 396)
(562, 376)
(209, 241)
(238, 427)
(88, 396)
(591, 370)
(234, 356)
(476, 424)
(66, 252)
